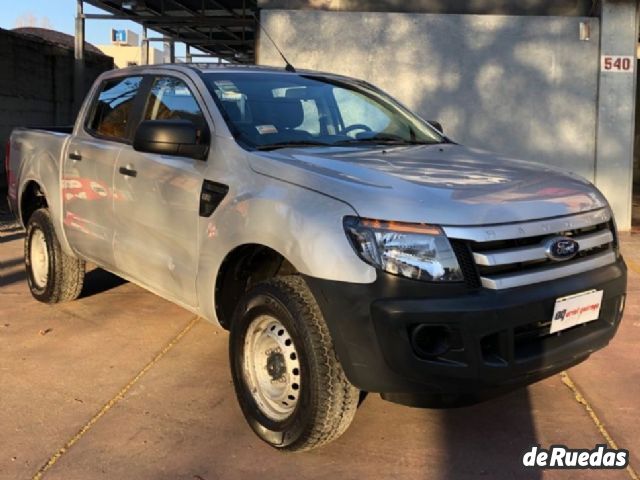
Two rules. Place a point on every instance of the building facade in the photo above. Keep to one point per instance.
(127, 50)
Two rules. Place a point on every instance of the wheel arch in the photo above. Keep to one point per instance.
(32, 198)
(244, 266)
(303, 227)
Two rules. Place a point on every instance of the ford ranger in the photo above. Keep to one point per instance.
(348, 245)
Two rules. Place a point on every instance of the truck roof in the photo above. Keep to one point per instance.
(212, 67)
(226, 67)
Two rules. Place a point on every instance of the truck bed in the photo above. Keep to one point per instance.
(35, 154)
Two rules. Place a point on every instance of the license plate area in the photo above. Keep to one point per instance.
(576, 309)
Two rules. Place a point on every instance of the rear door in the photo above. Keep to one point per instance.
(158, 212)
(87, 176)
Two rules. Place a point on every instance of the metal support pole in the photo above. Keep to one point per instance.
(78, 66)
(188, 50)
(145, 47)
(169, 53)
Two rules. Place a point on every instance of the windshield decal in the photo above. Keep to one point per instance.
(266, 129)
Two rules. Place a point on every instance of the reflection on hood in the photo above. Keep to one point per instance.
(447, 184)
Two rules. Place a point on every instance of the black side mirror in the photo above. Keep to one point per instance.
(437, 125)
(171, 137)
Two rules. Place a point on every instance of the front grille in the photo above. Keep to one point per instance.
(506, 245)
(536, 239)
(518, 255)
(531, 332)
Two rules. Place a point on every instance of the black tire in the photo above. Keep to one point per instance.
(65, 274)
(327, 401)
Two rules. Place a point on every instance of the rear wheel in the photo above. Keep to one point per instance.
(52, 275)
(289, 382)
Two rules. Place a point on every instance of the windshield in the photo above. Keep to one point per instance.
(272, 110)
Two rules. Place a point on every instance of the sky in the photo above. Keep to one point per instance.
(60, 15)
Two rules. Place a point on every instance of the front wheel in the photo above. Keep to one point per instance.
(288, 380)
(52, 275)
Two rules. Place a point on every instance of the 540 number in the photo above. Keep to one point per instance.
(617, 63)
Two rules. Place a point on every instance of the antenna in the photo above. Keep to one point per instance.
(288, 67)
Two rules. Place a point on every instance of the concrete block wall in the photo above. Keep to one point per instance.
(36, 84)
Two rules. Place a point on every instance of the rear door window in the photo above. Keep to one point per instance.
(112, 114)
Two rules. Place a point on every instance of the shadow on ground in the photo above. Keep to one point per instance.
(11, 236)
(12, 277)
(489, 438)
(98, 281)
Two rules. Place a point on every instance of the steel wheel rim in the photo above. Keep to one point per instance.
(39, 258)
(271, 367)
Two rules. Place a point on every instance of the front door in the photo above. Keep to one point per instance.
(156, 239)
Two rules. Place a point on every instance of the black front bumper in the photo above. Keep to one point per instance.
(498, 339)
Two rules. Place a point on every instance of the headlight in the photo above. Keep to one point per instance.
(413, 250)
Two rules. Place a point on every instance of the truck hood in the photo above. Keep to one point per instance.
(444, 184)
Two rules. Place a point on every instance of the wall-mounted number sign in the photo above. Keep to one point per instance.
(617, 63)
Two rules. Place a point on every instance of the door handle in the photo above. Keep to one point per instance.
(128, 172)
(75, 156)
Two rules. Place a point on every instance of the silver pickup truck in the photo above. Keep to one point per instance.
(348, 245)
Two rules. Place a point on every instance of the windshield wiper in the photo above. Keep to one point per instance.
(376, 140)
(292, 143)
(383, 140)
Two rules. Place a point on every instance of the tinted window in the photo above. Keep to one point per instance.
(171, 99)
(113, 110)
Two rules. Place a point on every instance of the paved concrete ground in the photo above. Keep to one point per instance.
(122, 384)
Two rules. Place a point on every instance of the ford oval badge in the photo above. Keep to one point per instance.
(561, 248)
